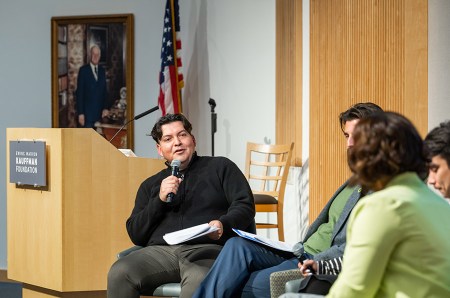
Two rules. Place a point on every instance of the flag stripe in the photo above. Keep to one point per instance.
(170, 78)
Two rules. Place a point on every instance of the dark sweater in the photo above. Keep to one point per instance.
(213, 188)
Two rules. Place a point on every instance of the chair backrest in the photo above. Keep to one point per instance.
(267, 168)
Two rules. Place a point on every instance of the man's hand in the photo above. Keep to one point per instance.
(217, 234)
(308, 267)
(168, 185)
(81, 119)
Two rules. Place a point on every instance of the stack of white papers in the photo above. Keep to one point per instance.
(265, 241)
(188, 234)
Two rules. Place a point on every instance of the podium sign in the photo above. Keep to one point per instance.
(27, 164)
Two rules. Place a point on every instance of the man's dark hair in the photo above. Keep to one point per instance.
(358, 111)
(169, 118)
(437, 141)
(386, 145)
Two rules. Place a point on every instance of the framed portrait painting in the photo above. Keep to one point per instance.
(92, 75)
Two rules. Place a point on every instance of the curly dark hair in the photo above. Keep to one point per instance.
(386, 145)
(437, 141)
(166, 119)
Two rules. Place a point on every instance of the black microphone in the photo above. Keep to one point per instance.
(212, 104)
(299, 251)
(135, 118)
(175, 169)
(146, 113)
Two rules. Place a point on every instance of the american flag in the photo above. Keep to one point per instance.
(170, 77)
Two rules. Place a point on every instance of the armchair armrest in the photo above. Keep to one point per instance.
(292, 286)
(279, 279)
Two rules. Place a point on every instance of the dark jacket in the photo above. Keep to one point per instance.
(213, 188)
(92, 97)
(339, 236)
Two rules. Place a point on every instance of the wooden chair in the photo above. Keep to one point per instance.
(267, 170)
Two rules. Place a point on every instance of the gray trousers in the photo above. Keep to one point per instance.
(142, 271)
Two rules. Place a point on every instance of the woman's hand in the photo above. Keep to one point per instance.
(308, 267)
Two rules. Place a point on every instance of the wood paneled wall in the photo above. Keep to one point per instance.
(361, 50)
(289, 76)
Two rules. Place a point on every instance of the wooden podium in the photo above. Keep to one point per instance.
(62, 240)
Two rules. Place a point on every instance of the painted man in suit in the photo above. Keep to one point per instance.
(92, 99)
(243, 267)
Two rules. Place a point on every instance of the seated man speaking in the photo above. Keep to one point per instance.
(243, 267)
(208, 190)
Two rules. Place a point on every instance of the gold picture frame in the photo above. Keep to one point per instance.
(72, 38)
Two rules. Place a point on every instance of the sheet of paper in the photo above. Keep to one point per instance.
(188, 234)
(128, 152)
(265, 241)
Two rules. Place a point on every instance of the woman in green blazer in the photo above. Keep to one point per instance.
(398, 239)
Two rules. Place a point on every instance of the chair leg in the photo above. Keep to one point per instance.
(280, 226)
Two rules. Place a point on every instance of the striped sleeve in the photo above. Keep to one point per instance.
(330, 267)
